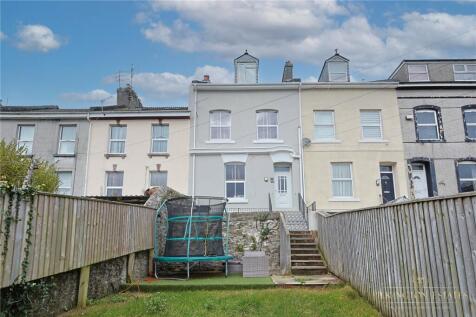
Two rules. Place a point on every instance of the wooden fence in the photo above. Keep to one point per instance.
(410, 259)
(69, 233)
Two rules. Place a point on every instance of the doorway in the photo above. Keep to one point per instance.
(387, 183)
(283, 193)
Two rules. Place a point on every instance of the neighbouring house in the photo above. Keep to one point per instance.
(132, 147)
(352, 141)
(59, 136)
(437, 101)
(244, 140)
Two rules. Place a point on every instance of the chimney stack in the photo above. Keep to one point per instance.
(288, 72)
(206, 78)
(126, 96)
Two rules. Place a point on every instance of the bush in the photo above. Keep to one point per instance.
(155, 304)
(14, 166)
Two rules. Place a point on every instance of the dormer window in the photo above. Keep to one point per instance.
(337, 71)
(464, 72)
(418, 73)
(246, 69)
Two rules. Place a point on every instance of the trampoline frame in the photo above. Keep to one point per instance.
(188, 229)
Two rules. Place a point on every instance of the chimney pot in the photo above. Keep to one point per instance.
(206, 78)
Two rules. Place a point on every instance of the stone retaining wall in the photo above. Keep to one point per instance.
(104, 278)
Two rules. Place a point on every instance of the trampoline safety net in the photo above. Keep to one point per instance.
(194, 230)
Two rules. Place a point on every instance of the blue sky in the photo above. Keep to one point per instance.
(68, 53)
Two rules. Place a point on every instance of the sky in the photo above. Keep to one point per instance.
(69, 53)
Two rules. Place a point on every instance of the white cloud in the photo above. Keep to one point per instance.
(37, 38)
(309, 31)
(168, 86)
(90, 96)
(2, 36)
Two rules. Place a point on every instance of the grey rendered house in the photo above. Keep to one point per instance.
(59, 136)
(245, 140)
(437, 102)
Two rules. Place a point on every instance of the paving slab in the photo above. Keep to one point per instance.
(305, 280)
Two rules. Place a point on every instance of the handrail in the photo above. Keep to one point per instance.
(270, 203)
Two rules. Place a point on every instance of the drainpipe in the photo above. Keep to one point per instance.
(87, 156)
(194, 114)
(301, 155)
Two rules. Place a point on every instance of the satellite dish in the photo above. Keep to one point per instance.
(306, 141)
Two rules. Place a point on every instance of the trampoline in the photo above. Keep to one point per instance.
(193, 231)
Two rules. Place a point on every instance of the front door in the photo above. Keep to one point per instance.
(283, 195)
(420, 185)
(386, 179)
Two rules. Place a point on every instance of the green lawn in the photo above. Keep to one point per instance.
(334, 301)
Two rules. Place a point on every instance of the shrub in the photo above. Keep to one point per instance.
(14, 166)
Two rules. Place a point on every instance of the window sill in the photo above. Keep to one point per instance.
(164, 154)
(344, 199)
(220, 142)
(268, 141)
(64, 155)
(108, 155)
(323, 141)
(430, 141)
(373, 141)
(237, 200)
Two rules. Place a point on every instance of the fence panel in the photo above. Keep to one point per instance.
(68, 233)
(409, 259)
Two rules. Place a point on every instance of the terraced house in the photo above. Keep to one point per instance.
(352, 142)
(132, 147)
(245, 141)
(437, 102)
(59, 136)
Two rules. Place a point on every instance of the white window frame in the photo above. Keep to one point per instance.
(435, 113)
(67, 141)
(243, 71)
(380, 125)
(166, 177)
(236, 199)
(473, 124)
(466, 71)
(159, 139)
(114, 187)
(116, 140)
(220, 125)
(316, 126)
(267, 126)
(21, 142)
(465, 179)
(419, 73)
(70, 189)
(342, 77)
(342, 179)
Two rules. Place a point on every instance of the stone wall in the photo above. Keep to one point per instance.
(251, 231)
(104, 278)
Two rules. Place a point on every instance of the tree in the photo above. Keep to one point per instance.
(14, 167)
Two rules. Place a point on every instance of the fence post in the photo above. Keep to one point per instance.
(83, 286)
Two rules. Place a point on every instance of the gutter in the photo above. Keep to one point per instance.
(194, 137)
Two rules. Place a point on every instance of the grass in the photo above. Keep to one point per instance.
(206, 282)
(335, 301)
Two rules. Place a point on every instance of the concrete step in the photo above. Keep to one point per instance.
(302, 240)
(309, 256)
(303, 244)
(303, 251)
(299, 263)
(309, 270)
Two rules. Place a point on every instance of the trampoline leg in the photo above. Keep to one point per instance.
(188, 270)
(226, 268)
(156, 274)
